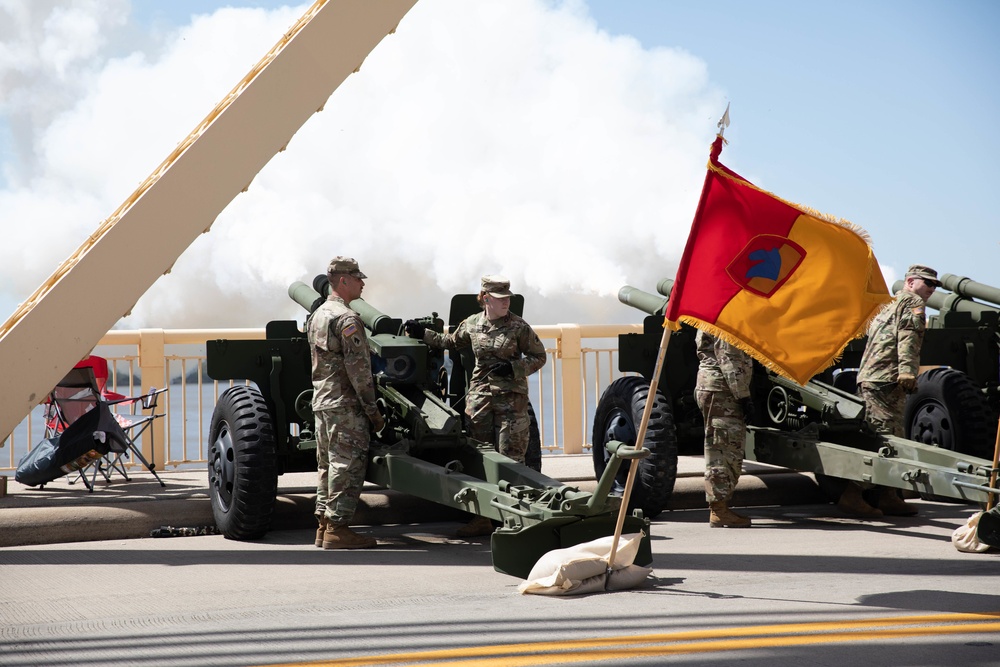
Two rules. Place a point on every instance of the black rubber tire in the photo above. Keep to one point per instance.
(533, 456)
(948, 410)
(242, 464)
(617, 417)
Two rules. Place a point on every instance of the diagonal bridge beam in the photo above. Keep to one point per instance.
(182, 198)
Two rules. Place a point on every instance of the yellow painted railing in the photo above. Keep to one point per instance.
(582, 362)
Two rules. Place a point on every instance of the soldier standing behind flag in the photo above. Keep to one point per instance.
(344, 405)
(889, 370)
(723, 394)
(507, 351)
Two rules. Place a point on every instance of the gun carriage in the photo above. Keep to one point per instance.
(264, 427)
(951, 419)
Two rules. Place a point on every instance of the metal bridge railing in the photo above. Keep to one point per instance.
(564, 394)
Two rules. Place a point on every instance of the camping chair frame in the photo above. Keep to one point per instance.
(132, 426)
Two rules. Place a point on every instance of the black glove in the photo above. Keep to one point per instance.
(749, 411)
(414, 329)
(502, 369)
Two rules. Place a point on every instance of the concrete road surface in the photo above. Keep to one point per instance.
(804, 586)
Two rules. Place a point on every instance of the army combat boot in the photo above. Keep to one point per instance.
(339, 536)
(480, 525)
(891, 504)
(853, 503)
(723, 517)
(321, 531)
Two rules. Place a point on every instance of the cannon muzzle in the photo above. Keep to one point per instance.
(665, 287)
(644, 301)
(304, 295)
(376, 321)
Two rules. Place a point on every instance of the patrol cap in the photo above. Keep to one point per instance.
(497, 286)
(926, 273)
(348, 265)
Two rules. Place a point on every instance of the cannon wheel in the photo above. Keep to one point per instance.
(618, 416)
(948, 411)
(242, 464)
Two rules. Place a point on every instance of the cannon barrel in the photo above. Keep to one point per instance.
(376, 321)
(957, 303)
(970, 288)
(962, 287)
(644, 301)
(953, 302)
(665, 287)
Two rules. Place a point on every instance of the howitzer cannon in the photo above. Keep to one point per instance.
(817, 428)
(957, 401)
(264, 429)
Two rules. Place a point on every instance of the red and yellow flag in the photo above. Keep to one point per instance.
(787, 284)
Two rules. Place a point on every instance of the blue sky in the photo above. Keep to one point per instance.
(877, 112)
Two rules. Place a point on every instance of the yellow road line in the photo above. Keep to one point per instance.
(622, 648)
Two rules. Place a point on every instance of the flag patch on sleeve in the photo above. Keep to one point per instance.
(350, 329)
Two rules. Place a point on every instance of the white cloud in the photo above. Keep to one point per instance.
(506, 136)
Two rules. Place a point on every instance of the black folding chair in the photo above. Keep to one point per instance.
(113, 434)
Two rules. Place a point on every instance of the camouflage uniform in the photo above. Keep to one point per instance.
(497, 407)
(724, 373)
(893, 348)
(344, 405)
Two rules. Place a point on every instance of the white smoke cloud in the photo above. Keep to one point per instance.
(492, 137)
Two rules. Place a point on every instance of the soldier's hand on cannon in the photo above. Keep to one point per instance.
(907, 382)
(378, 422)
(502, 369)
(749, 411)
(414, 329)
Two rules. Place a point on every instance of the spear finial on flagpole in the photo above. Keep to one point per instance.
(724, 122)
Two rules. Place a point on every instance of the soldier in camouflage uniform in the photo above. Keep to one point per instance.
(507, 351)
(344, 405)
(723, 394)
(888, 372)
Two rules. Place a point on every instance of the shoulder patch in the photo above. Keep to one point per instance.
(350, 329)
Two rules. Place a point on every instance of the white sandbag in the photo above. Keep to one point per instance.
(964, 537)
(582, 568)
(616, 580)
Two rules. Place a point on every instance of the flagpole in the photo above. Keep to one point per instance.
(654, 382)
(640, 437)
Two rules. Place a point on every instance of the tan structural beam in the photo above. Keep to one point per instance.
(59, 324)
(572, 388)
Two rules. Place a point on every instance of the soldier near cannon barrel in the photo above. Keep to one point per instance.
(507, 351)
(723, 394)
(888, 372)
(344, 406)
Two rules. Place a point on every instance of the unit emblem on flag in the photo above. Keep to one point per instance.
(765, 263)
